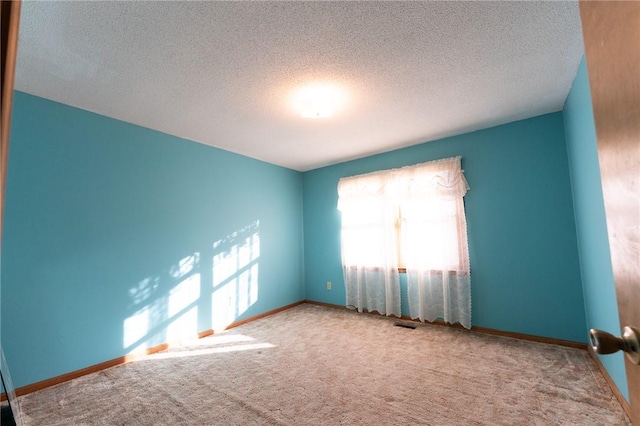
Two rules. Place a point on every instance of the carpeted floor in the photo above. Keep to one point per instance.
(311, 365)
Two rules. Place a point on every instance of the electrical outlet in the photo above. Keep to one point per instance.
(328, 285)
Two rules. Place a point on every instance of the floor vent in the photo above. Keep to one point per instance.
(406, 325)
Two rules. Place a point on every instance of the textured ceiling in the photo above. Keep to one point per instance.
(222, 73)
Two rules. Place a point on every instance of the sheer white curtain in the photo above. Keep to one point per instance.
(435, 243)
(369, 261)
(415, 215)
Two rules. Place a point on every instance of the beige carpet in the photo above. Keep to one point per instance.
(311, 365)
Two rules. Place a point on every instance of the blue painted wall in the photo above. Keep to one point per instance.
(108, 226)
(595, 259)
(525, 270)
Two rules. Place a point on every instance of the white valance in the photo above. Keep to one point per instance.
(443, 178)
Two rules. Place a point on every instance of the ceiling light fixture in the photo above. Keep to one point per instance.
(318, 100)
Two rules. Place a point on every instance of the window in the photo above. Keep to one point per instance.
(413, 219)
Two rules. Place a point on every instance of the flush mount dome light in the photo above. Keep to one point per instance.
(318, 100)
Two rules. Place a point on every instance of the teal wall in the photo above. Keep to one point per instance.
(593, 244)
(99, 215)
(525, 273)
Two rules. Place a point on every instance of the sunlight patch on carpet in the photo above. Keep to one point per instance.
(209, 351)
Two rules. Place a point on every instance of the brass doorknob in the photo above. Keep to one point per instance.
(605, 343)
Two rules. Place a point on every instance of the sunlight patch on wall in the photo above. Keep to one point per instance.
(165, 307)
(235, 275)
(135, 329)
(218, 282)
(184, 325)
(144, 290)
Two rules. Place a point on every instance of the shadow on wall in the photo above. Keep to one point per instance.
(208, 289)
